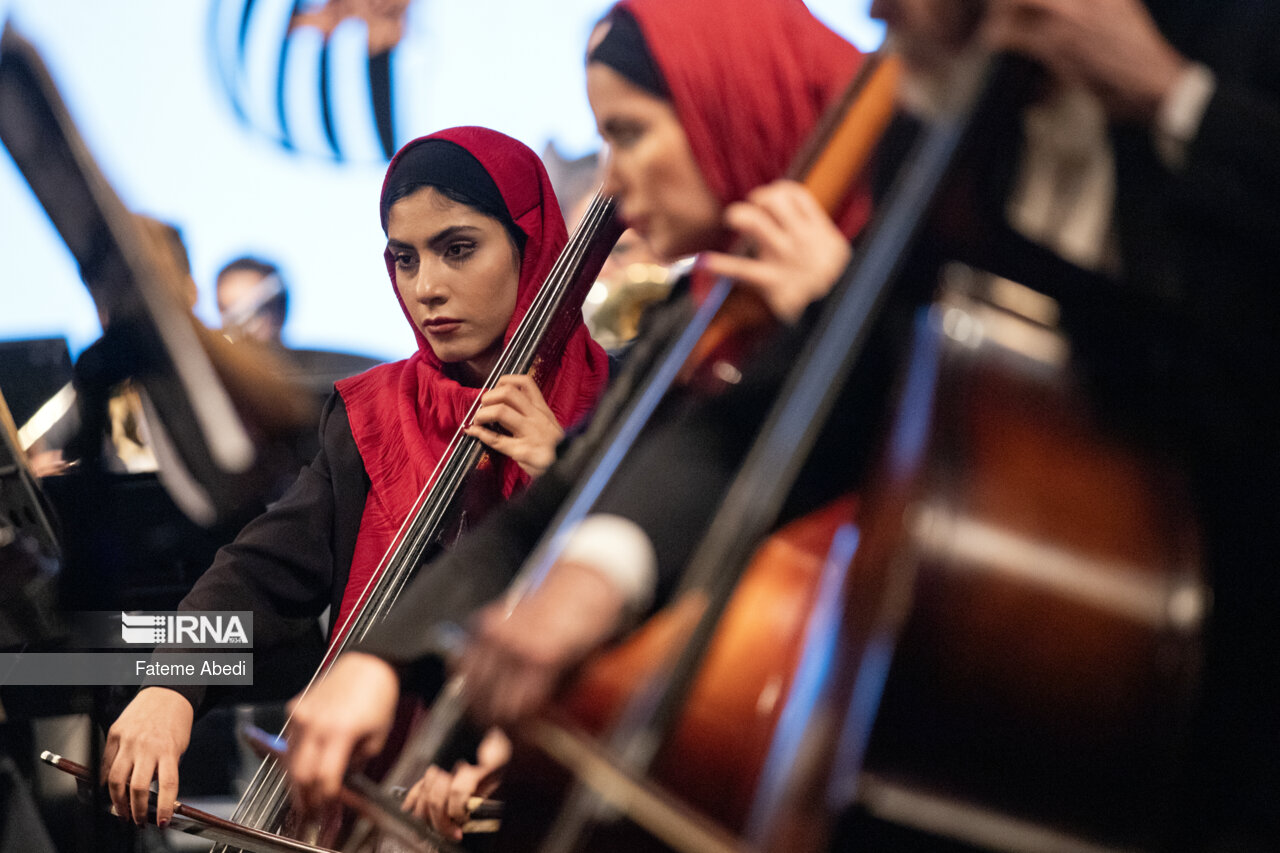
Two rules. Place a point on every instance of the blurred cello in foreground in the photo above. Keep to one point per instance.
(1026, 598)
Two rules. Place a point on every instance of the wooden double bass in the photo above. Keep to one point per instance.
(1000, 652)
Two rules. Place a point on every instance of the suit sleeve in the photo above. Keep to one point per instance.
(1232, 174)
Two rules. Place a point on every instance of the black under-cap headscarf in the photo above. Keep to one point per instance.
(623, 49)
(456, 173)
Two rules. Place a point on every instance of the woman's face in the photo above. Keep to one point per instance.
(650, 168)
(457, 271)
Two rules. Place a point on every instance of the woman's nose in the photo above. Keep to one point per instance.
(612, 184)
(429, 288)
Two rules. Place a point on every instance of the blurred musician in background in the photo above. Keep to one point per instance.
(253, 300)
(126, 447)
(253, 306)
(1147, 156)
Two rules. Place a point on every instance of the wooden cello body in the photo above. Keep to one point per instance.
(1020, 645)
(1002, 652)
(1052, 599)
(1005, 659)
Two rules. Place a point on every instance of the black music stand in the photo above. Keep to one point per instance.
(204, 448)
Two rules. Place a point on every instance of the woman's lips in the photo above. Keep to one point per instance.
(443, 326)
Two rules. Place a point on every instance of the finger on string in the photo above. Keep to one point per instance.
(758, 225)
(167, 791)
(118, 784)
(414, 803)
(508, 393)
(784, 201)
(331, 767)
(460, 791)
(530, 392)
(140, 789)
(437, 796)
(489, 438)
(806, 207)
(303, 756)
(522, 383)
(529, 400)
(504, 413)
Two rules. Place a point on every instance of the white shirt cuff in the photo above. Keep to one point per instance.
(620, 550)
(1180, 113)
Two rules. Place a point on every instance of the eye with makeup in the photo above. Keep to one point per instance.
(404, 260)
(459, 250)
(622, 133)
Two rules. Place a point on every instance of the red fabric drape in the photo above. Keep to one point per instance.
(749, 96)
(403, 415)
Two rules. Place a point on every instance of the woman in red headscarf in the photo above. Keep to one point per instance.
(703, 106)
(473, 229)
(701, 127)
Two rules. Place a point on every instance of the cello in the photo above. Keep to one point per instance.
(1138, 569)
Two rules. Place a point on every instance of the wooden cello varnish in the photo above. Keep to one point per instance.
(1020, 639)
(714, 758)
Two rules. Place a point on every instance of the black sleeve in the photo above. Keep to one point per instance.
(1232, 174)
(282, 565)
(475, 571)
(675, 478)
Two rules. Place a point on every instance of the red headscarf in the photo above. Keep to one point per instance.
(403, 415)
(749, 80)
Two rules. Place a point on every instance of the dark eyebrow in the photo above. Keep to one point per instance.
(439, 240)
(616, 124)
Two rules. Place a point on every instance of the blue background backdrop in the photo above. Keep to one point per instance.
(146, 81)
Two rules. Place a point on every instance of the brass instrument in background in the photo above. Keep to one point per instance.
(624, 294)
